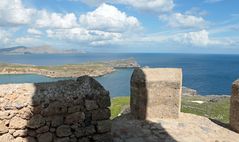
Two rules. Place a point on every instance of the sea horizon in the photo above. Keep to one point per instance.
(209, 74)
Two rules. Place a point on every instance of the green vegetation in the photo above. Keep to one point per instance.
(118, 104)
(214, 107)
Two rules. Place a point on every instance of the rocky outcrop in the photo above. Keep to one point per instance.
(55, 112)
(156, 93)
(123, 63)
(189, 91)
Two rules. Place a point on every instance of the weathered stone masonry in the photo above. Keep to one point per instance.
(156, 93)
(64, 111)
(234, 109)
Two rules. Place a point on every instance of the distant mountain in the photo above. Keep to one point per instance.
(37, 50)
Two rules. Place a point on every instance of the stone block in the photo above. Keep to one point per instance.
(6, 137)
(42, 129)
(89, 130)
(83, 140)
(104, 101)
(91, 104)
(76, 108)
(18, 123)
(36, 121)
(103, 126)
(20, 133)
(156, 93)
(107, 137)
(76, 117)
(63, 131)
(234, 108)
(55, 108)
(66, 139)
(3, 128)
(56, 120)
(45, 137)
(101, 114)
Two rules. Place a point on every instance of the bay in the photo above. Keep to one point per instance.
(207, 73)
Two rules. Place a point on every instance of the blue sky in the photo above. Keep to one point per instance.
(192, 26)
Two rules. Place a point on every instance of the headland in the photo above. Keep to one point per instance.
(93, 69)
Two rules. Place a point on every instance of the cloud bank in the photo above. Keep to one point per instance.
(106, 24)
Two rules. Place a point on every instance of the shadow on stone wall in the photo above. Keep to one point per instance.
(127, 128)
(63, 111)
(132, 125)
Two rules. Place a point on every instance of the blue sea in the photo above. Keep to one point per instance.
(207, 73)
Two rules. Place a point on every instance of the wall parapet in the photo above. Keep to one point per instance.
(71, 110)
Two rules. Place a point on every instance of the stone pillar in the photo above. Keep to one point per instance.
(156, 93)
(234, 108)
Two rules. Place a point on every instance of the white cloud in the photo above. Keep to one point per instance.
(4, 37)
(178, 20)
(198, 38)
(55, 20)
(29, 41)
(34, 31)
(212, 1)
(106, 25)
(196, 11)
(150, 5)
(157, 6)
(108, 18)
(83, 36)
(13, 13)
(92, 2)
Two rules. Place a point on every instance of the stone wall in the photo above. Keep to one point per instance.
(64, 111)
(234, 108)
(156, 93)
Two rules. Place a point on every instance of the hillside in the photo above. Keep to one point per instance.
(36, 50)
(213, 107)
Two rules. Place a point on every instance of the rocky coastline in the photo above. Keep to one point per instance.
(93, 69)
